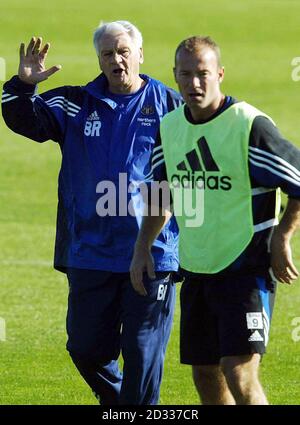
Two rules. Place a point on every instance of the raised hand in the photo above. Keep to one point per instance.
(32, 62)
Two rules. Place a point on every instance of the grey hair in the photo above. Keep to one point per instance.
(110, 27)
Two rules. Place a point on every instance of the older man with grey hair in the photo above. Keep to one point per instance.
(106, 132)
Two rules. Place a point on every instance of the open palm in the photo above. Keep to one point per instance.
(32, 68)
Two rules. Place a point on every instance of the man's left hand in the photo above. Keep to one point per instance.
(281, 259)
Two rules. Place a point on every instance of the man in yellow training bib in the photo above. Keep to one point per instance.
(233, 156)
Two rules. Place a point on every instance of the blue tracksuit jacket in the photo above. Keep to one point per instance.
(100, 135)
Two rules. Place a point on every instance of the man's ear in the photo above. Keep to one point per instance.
(174, 73)
(221, 74)
(141, 55)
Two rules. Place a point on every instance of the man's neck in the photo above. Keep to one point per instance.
(133, 88)
(204, 114)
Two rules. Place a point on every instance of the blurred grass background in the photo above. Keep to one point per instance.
(258, 39)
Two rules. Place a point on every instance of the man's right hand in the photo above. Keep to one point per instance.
(32, 62)
(142, 261)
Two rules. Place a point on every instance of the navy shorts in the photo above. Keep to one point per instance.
(224, 317)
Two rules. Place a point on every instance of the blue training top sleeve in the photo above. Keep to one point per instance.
(38, 117)
(158, 170)
(273, 161)
(158, 187)
(174, 99)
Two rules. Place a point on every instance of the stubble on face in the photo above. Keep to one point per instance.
(198, 76)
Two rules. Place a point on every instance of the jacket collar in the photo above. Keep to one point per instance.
(98, 89)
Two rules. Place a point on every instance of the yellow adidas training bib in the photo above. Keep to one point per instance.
(207, 169)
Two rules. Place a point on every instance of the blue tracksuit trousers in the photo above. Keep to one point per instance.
(105, 317)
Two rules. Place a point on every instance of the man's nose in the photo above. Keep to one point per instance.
(196, 81)
(116, 58)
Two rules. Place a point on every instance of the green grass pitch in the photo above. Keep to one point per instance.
(259, 39)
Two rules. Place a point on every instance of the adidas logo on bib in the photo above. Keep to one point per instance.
(193, 170)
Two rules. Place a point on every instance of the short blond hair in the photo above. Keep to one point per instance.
(197, 42)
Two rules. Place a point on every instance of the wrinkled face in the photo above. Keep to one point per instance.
(198, 77)
(120, 59)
